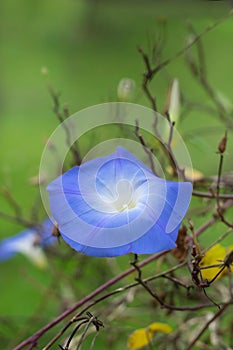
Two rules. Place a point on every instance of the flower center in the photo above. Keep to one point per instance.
(125, 199)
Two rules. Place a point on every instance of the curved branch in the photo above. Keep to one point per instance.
(33, 339)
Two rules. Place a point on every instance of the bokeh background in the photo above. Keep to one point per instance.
(87, 47)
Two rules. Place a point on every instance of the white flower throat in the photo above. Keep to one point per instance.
(125, 196)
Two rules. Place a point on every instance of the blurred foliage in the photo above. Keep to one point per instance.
(88, 47)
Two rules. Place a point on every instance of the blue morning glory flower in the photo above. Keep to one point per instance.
(29, 242)
(115, 205)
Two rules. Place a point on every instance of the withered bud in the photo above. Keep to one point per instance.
(222, 144)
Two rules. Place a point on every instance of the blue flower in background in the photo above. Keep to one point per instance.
(115, 205)
(29, 242)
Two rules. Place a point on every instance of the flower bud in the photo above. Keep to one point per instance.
(126, 89)
(174, 101)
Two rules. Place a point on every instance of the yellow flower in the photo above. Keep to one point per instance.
(160, 327)
(143, 336)
(214, 256)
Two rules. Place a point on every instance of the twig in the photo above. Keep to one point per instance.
(75, 331)
(193, 42)
(19, 220)
(221, 151)
(151, 72)
(211, 195)
(83, 301)
(93, 320)
(11, 201)
(149, 152)
(199, 71)
(163, 305)
(63, 120)
(204, 328)
(147, 76)
(33, 339)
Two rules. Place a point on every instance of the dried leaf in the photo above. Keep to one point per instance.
(180, 252)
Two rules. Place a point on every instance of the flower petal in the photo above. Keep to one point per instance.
(139, 338)
(98, 252)
(30, 243)
(114, 205)
(160, 327)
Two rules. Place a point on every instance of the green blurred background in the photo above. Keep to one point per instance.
(87, 48)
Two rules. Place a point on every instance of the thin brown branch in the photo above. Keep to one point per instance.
(18, 220)
(204, 328)
(220, 208)
(149, 152)
(63, 120)
(192, 42)
(164, 305)
(80, 303)
(211, 195)
(199, 72)
(147, 76)
(11, 201)
(89, 298)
